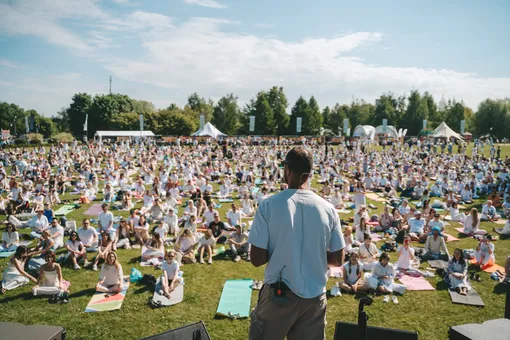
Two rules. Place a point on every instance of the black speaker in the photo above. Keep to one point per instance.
(346, 330)
(17, 331)
(196, 331)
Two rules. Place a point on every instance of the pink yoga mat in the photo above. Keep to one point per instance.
(460, 230)
(416, 283)
(450, 238)
(335, 272)
(94, 210)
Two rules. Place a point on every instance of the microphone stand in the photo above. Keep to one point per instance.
(363, 317)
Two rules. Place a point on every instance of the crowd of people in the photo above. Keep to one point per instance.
(172, 195)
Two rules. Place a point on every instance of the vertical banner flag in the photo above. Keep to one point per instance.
(32, 122)
(202, 121)
(141, 122)
(299, 121)
(385, 125)
(462, 126)
(252, 123)
(26, 125)
(346, 126)
(85, 126)
(424, 124)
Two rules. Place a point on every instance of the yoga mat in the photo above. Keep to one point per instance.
(438, 264)
(258, 181)
(220, 250)
(450, 238)
(416, 283)
(376, 237)
(226, 200)
(375, 197)
(448, 218)
(343, 211)
(100, 302)
(235, 299)
(472, 298)
(24, 243)
(500, 221)
(94, 210)
(5, 254)
(499, 231)
(489, 269)
(175, 297)
(64, 210)
(460, 230)
(335, 272)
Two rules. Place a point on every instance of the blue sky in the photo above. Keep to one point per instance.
(164, 50)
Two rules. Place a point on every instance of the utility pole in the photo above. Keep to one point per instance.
(110, 85)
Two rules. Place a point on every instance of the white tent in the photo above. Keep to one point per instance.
(134, 133)
(364, 130)
(209, 130)
(444, 131)
(390, 130)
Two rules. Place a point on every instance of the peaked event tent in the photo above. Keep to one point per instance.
(444, 131)
(209, 130)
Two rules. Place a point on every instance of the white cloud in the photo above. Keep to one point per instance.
(206, 3)
(8, 64)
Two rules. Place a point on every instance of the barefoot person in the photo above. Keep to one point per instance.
(14, 275)
(170, 277)
(292, 301)
(111, 275)
(352, 274)
(457, 273)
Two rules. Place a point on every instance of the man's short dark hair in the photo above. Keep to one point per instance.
(299, 160)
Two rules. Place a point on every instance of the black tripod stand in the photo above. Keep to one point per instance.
(363, 317)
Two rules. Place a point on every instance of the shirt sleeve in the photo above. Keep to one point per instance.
(259, 232)
(337, 241)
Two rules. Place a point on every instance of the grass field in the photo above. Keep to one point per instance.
(429, 313)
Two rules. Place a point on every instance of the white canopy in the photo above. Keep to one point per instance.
(444, 131)
(390, 130)
(146, 133)
(209, 130)
(364, 130)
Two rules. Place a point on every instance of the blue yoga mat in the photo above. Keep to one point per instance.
(235, 299)
(5, 254)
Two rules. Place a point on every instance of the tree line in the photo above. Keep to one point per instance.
(271, 111)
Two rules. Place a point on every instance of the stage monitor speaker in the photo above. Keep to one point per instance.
(350, 331)
(196, 331)
(17, 331)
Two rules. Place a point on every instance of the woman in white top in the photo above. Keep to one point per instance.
(484, 253)
(466, 195)
(207, 243)
(349, 241)
(122, 240)
(154, 249)
(191, 224)
(141, 231)
(361, 229)
(359, 196)
(384, 272)
(405, 255)
(472, 224)
(57, 234)
(111, 276)
(186, 245)
(224, 190)
(10, 238)
(352, 272)
(337, 200)
(170, 276)
(247, 206)
(457, 273)
(14, 275)
(456, 215)
(76, 250)
(50, 278)
(190, 210)
(105, 247)
(368, 253)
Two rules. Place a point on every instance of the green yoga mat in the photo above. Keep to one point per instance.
(5, 254)
(235, 299)
(64, 210)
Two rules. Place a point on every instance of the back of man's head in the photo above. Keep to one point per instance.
(300, 161)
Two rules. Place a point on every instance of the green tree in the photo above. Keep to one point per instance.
(105, 111)
(200, 106)
(454, 115)
(128, 121)
(336, 118)
(313, 122)
(360, 113)
(300, 109)
(12, 118)
(61, 120)
(264, 116)
(142, 107)
(174, 122)
(493, 116)
(227, 114)
(278, 102)
(326, 112)
(433, 113)
(385, 108)
(80, 105)
(416, 111)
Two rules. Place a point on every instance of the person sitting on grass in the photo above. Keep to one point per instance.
(385, 220)
(111, 276)
(484, 253)
(457, 273)
(362, 228)
(10, 238)
(489, 212)
(416, 226)
(56, 233)
(207, 243)
(218, 229)
(141, 232)
(170, 276)
(405, 255)
(105, 247)
(368, 253)
(435, 246)
(455, 214)
(154, 249)
(350, 247)
(352, 276)
(50, 278)
(239, 245)
(88, 236)
(76, 250)
(472, 223)
(384, 272)
(122, 239)
(186, 245)
(14, 275)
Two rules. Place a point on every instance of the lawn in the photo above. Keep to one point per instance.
(429, 313)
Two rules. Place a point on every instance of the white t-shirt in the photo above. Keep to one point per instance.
(297, 228)
(404, 260)
(416, 226)
(161, 230)
(353, 276)
(39, 223)
(209, 216)
(86, 236)
(74, 246)
(58, 229)
(207, 242)
(105, 219)
(235, 217)
(170, 269)
(10, 239)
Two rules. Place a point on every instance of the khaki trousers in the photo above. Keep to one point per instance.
(296, 318)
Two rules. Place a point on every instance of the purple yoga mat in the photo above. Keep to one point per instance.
(94, 210)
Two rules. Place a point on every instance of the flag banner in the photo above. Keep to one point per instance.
(252, 123)
(385, 126)
(299, 121)
(424, 124)
(202, 121)
(462, 126)
(141, 122)
(346, 126)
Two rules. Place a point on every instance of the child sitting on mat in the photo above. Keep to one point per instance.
(170, 277)
(457, 273)
(384, 273)
(352, 272)
(207, 243)
(154, 249)
(405, 255)
(111, 278)
(485, 252)
(472, 223)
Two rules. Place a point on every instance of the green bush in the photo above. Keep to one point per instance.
(35, 142)
(63, 137)
(35, 136)
(20, 141)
